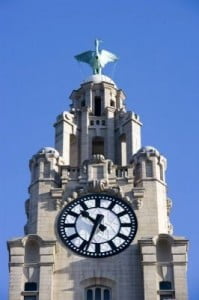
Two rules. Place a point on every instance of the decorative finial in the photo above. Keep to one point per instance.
(97, 59)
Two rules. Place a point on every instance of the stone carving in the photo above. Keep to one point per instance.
(169, 205)
(97, 185)
(138, 194)
(97, 159)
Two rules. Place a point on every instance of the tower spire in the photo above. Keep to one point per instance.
(97, 59)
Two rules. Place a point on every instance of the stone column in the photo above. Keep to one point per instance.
(179, 253)
(148, 251)
(16, 284)
(133, 135)
(110, 136)
(84, 135)
(46, 270)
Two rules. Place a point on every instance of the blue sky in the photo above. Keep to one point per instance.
(158, 45)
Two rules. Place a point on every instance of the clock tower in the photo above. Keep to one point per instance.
(98, 223)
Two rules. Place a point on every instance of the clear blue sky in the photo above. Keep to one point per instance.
(158, 45)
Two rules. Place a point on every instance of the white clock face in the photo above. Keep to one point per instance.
(97, 225)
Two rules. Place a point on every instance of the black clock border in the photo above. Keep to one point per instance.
(88, 254)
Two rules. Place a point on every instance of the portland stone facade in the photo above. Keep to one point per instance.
(98, 153)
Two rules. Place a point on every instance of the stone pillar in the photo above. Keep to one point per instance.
(133, 135)
(46, 270)
(110, 136)
(179, 253)
(84, 135)
(64, 127)
(148, 251)
(16, 255)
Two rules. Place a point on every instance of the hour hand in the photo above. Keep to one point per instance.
(85, 214)
(95, 228)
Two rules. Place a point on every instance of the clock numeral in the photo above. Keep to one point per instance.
(97, 248)
(84, 206)
(122, 213)
(73, 236)
(122, 236)
(111, 205)
(72, 213)
(125, 224)
(112, 245)
(83, 245)
(97, 202)
(69, 224)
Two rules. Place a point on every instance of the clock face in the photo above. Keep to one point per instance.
(97, 225)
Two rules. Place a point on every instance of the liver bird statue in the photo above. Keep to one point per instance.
(97, 59)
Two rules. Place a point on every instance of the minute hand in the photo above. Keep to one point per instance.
(98, 220)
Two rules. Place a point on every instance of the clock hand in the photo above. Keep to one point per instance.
(85, 214)
(95, 227)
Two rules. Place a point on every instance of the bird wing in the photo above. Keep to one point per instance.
(86, 57)
(106, 57)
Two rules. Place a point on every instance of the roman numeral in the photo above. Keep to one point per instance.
(83, 245)
(73, 236)
(72, 213)
(122, 213)
(84, 206)
(111, 205)
(112, 245)
(97, 202)
(125, 224)
(97, 248)
(122, 236)
(69, 225)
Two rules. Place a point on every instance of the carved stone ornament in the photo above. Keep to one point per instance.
(138, 194)
(57, 195)
(138, 203)
(169, 205)
(170, 227)
(98, 158)
(97, 185)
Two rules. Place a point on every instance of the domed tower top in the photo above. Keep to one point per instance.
(98, 122)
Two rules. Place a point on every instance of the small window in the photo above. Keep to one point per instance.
(161, 173)
(167, 297)
(91, 122)
(30, 286)
(165, 285)
(98, 145)
(112, 103)
(83, 103)
(97, 108)
(97, 122)
(149, 168)
(98, 293)
(103, 122)
(30, 297)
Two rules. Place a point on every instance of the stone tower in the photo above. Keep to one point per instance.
(98, 213)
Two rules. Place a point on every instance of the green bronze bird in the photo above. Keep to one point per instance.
(97, 59)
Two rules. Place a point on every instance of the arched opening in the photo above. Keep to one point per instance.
(123, 150)
(149, 168)
(138, 171)
(98, 293)
(164, 251)
(97, 106)
(161, 172)
(98, 145)
(31, 252)
(73, 150)
(112, 103)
